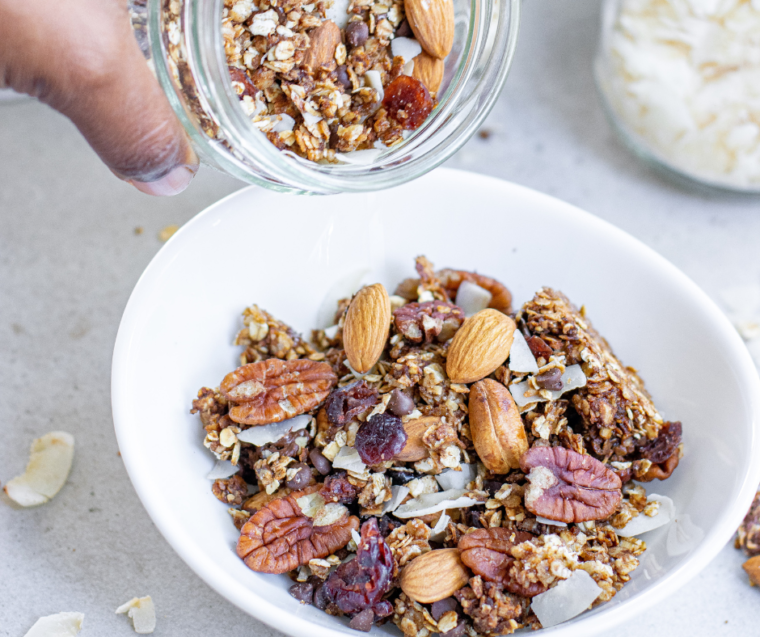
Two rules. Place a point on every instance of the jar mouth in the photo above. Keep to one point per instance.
(485, 43)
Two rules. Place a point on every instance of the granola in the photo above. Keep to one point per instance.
(447, 544)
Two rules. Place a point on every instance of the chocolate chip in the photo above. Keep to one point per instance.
(363, 621)
(550, 380)
(401, 404)
(303, 592)
(320, 463)
(492, 486)
(438, 608)
(404, 30)
(357, 33)
(301, 479)
(342, 75)
(457, 631)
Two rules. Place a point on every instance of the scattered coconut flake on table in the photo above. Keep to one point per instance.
(221, 470)
(452, 479)
(438, 533)
(349, 459)
(142, 613)
(261, 435)
(398, 493)
(359, 157)
(521, 359)
(573, 378)
(643, 523)
(433, 502)
(472, 298)
(407, 48)
(49, 465)
(58, 625)
(567, 599)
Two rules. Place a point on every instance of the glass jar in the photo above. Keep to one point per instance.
(680, 81)
(199, 89)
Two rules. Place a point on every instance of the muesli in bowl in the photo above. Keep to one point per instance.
(438, 460)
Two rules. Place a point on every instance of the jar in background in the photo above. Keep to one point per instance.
(680, 80)
(196, 80)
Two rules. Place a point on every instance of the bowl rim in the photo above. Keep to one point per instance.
(603, 619)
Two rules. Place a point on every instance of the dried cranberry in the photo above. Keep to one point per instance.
(407, 101)
(337, 488)
(303, 592)
(357, 33)
(361, 583)
(301, 479)
(343, 405)
(551, 379)
(401, 403)
(320, 463)
(380, 438)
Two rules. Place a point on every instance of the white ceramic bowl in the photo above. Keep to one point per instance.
(284, 253)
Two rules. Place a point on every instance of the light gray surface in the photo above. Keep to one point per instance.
(69, 259)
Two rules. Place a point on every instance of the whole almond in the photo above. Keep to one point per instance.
(429, 71)
(752, 568)
(434, 576)
(322, 44)
(496, 427)
(432, 22)
(365, 330)
(415, 449)
(480, 346)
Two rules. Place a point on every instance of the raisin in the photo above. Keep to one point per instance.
(665, 445)
(361, 583)
(380, 438)
(337, 488)
(407, 101)
(343, 405)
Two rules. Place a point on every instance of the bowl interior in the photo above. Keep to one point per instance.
(286, 253)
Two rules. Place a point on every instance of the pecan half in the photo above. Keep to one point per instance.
(567, 486)
(274, 390)
(429, 321)
(279, 537)
(488, 553)
(501, 297)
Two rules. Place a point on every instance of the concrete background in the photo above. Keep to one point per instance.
(69, 258)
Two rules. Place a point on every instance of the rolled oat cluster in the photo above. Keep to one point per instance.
(437, 460)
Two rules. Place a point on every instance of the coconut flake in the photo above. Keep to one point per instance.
(543, 520)
(408, 70)
(58, 625)
(266, 434)
(457, 479)
(360, 157)
(46, 472)
(349, 459)
(284, 123)
(566, 600)
(472, 298)
(356, 537)
(407, 48)
(434, 502)
(310, 119)
(221, 470)
(338, 13)
(643, 523)
(375, 80)
(142, 613)
(398, 493)
(438, 533)
(573, 378)
(521, 359)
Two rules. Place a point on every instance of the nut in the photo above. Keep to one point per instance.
(262, 498)
(496, 427)
(434, 576)
(752, 568)
(480, 346)
(429, 71)
(322, 44)
(279, 537)
(428, 322)
(274, 390)
(432, 22)
(569, 487)
(365, 330)
(415, 448)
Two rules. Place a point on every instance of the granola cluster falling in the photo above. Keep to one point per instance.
(439, 461)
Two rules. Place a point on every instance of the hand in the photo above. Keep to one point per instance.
(81, 58)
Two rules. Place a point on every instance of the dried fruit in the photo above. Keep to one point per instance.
(414, 448)
(429, 71)
(480, 346)
(501, 297)
(279, 537)
(427, 322)
(380, 438)
(662, 452)
(539, 348)
(432, 22)
(434, 575)
(408, 101)
(274, 390)
(366, 327)
(569, 487)
(347, 403)
(361, 583)
(497, 429)
(337, 488)
(322, 44)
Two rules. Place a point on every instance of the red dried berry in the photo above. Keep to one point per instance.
(380, 438)
(345, 404)
(337, 488)
(407, 101)
(363, 582)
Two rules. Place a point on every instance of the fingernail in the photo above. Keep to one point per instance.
(174, 182)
